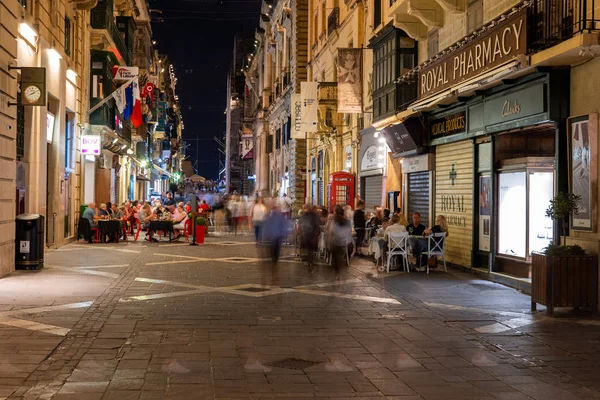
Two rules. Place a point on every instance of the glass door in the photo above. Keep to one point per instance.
(541, 191)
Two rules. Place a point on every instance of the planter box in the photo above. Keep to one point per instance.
(564, 281)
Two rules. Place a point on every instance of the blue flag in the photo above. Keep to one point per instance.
(129, 102)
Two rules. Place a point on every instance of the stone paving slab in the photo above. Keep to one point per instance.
(170, 321)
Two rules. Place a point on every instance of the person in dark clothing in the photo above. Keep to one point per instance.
(417, 245)
(170, 201)
(360, 224)
(416, 228)
(339, 236)
(274, 232)
(309, 234)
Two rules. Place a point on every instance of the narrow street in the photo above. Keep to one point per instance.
(138, 321)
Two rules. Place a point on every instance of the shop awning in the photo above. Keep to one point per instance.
(407, 137)
(162, 171)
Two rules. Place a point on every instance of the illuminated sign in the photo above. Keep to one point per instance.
(91, 144)
(448, 125)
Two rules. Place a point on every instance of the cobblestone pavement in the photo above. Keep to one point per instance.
(154, 321)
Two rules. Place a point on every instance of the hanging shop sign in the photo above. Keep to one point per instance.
(497, 46)
(296, 112)
(405, 137)
(310, 106)
(33, 86)
(123, 74)
(421, 163)
(91, 145)
(369, 159)
(349, 66)
(448, 125)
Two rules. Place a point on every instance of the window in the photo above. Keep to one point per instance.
(433, 43)
(68, 44)
(474, 15)
(278, 139)
(269, 144)
(69, 142)
(376, 13)
(316, 29)
(394, 55)
(323, 20)
(20, 127)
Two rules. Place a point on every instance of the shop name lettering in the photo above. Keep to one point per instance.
(453, 203)
(499, 46)
(452, 125)
(509, 108)
(298, 116)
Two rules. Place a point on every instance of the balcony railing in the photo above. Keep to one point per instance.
(552, 22)
(333, 21)
(102, 18)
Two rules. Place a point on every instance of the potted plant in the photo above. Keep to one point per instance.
(562, 275)
(200, 227)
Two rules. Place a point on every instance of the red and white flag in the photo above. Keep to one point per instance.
(136, 116)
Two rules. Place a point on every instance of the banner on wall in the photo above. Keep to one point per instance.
(297, 131)
(349, 66)
(310, 106)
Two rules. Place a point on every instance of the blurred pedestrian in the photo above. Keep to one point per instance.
(360, 224)
(309, 234)
(340, 237)
(258, 214)
(274, 232)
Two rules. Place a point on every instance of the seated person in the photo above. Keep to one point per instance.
(416, 228)
(204, 207)
(441, 225)
(417, 246)
(395, 227)
(145, 216)
(179, 217)
(109, 208)
(103, 212)
(90, 214)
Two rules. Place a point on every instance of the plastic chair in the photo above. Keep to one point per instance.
(136, 223)
(435, 247)
(398, 246)
(96, 235)
(186, 228)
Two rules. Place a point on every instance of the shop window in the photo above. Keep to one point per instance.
(69, 142)
(376, 13)
(474, 15)
(433, 43)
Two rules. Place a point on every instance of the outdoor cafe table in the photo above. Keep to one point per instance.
(109, 228)
(165, 226)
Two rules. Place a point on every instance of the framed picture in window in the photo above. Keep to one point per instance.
(583, 169)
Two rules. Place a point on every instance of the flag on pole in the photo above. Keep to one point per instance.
(120, 99)
(136, 116)
(128, 102)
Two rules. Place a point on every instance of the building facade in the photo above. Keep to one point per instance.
(75, 46)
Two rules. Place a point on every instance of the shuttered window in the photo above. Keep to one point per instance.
(371, 187)
(418, 196)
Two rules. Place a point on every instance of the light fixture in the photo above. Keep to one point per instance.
(115, 140)
(143, 163)
(154, 42)
(28, 33)
(71, 75)
(54, 54)
(376, 134)
(123, 147)
(129, 151)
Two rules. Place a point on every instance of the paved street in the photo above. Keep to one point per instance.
(153, 321)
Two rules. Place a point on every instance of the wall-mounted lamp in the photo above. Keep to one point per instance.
(54, 54)
(28, 33)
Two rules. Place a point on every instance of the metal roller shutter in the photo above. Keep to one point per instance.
(371, 188)
(418, 195)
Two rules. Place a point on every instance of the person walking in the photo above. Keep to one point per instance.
(360, 224)
(258, 214)
(339, 236)
(309, 234)
(275, 231)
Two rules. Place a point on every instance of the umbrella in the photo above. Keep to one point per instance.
(196, 178)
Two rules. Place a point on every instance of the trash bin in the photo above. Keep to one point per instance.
(29, 244)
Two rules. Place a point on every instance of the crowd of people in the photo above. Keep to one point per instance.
(337, 234)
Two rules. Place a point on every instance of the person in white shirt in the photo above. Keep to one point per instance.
(257, 217)
(396, 227)
(286, 205)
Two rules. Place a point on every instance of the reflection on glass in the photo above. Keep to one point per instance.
(541, 190)
(512, 214)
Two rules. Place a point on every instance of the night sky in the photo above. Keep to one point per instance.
(197, 36)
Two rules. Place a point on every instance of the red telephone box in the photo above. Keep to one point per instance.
(341, 189)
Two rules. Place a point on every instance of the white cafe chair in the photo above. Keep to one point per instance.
(398, 246)
(435, 247)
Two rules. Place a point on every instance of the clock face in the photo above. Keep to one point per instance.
(32, 93)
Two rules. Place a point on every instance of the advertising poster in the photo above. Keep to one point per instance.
(485, 212)
(349, 66)
(582, 173)
(296, 112)
(310, 106)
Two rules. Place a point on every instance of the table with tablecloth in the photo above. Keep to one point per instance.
(111, 228)
(164, 226)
